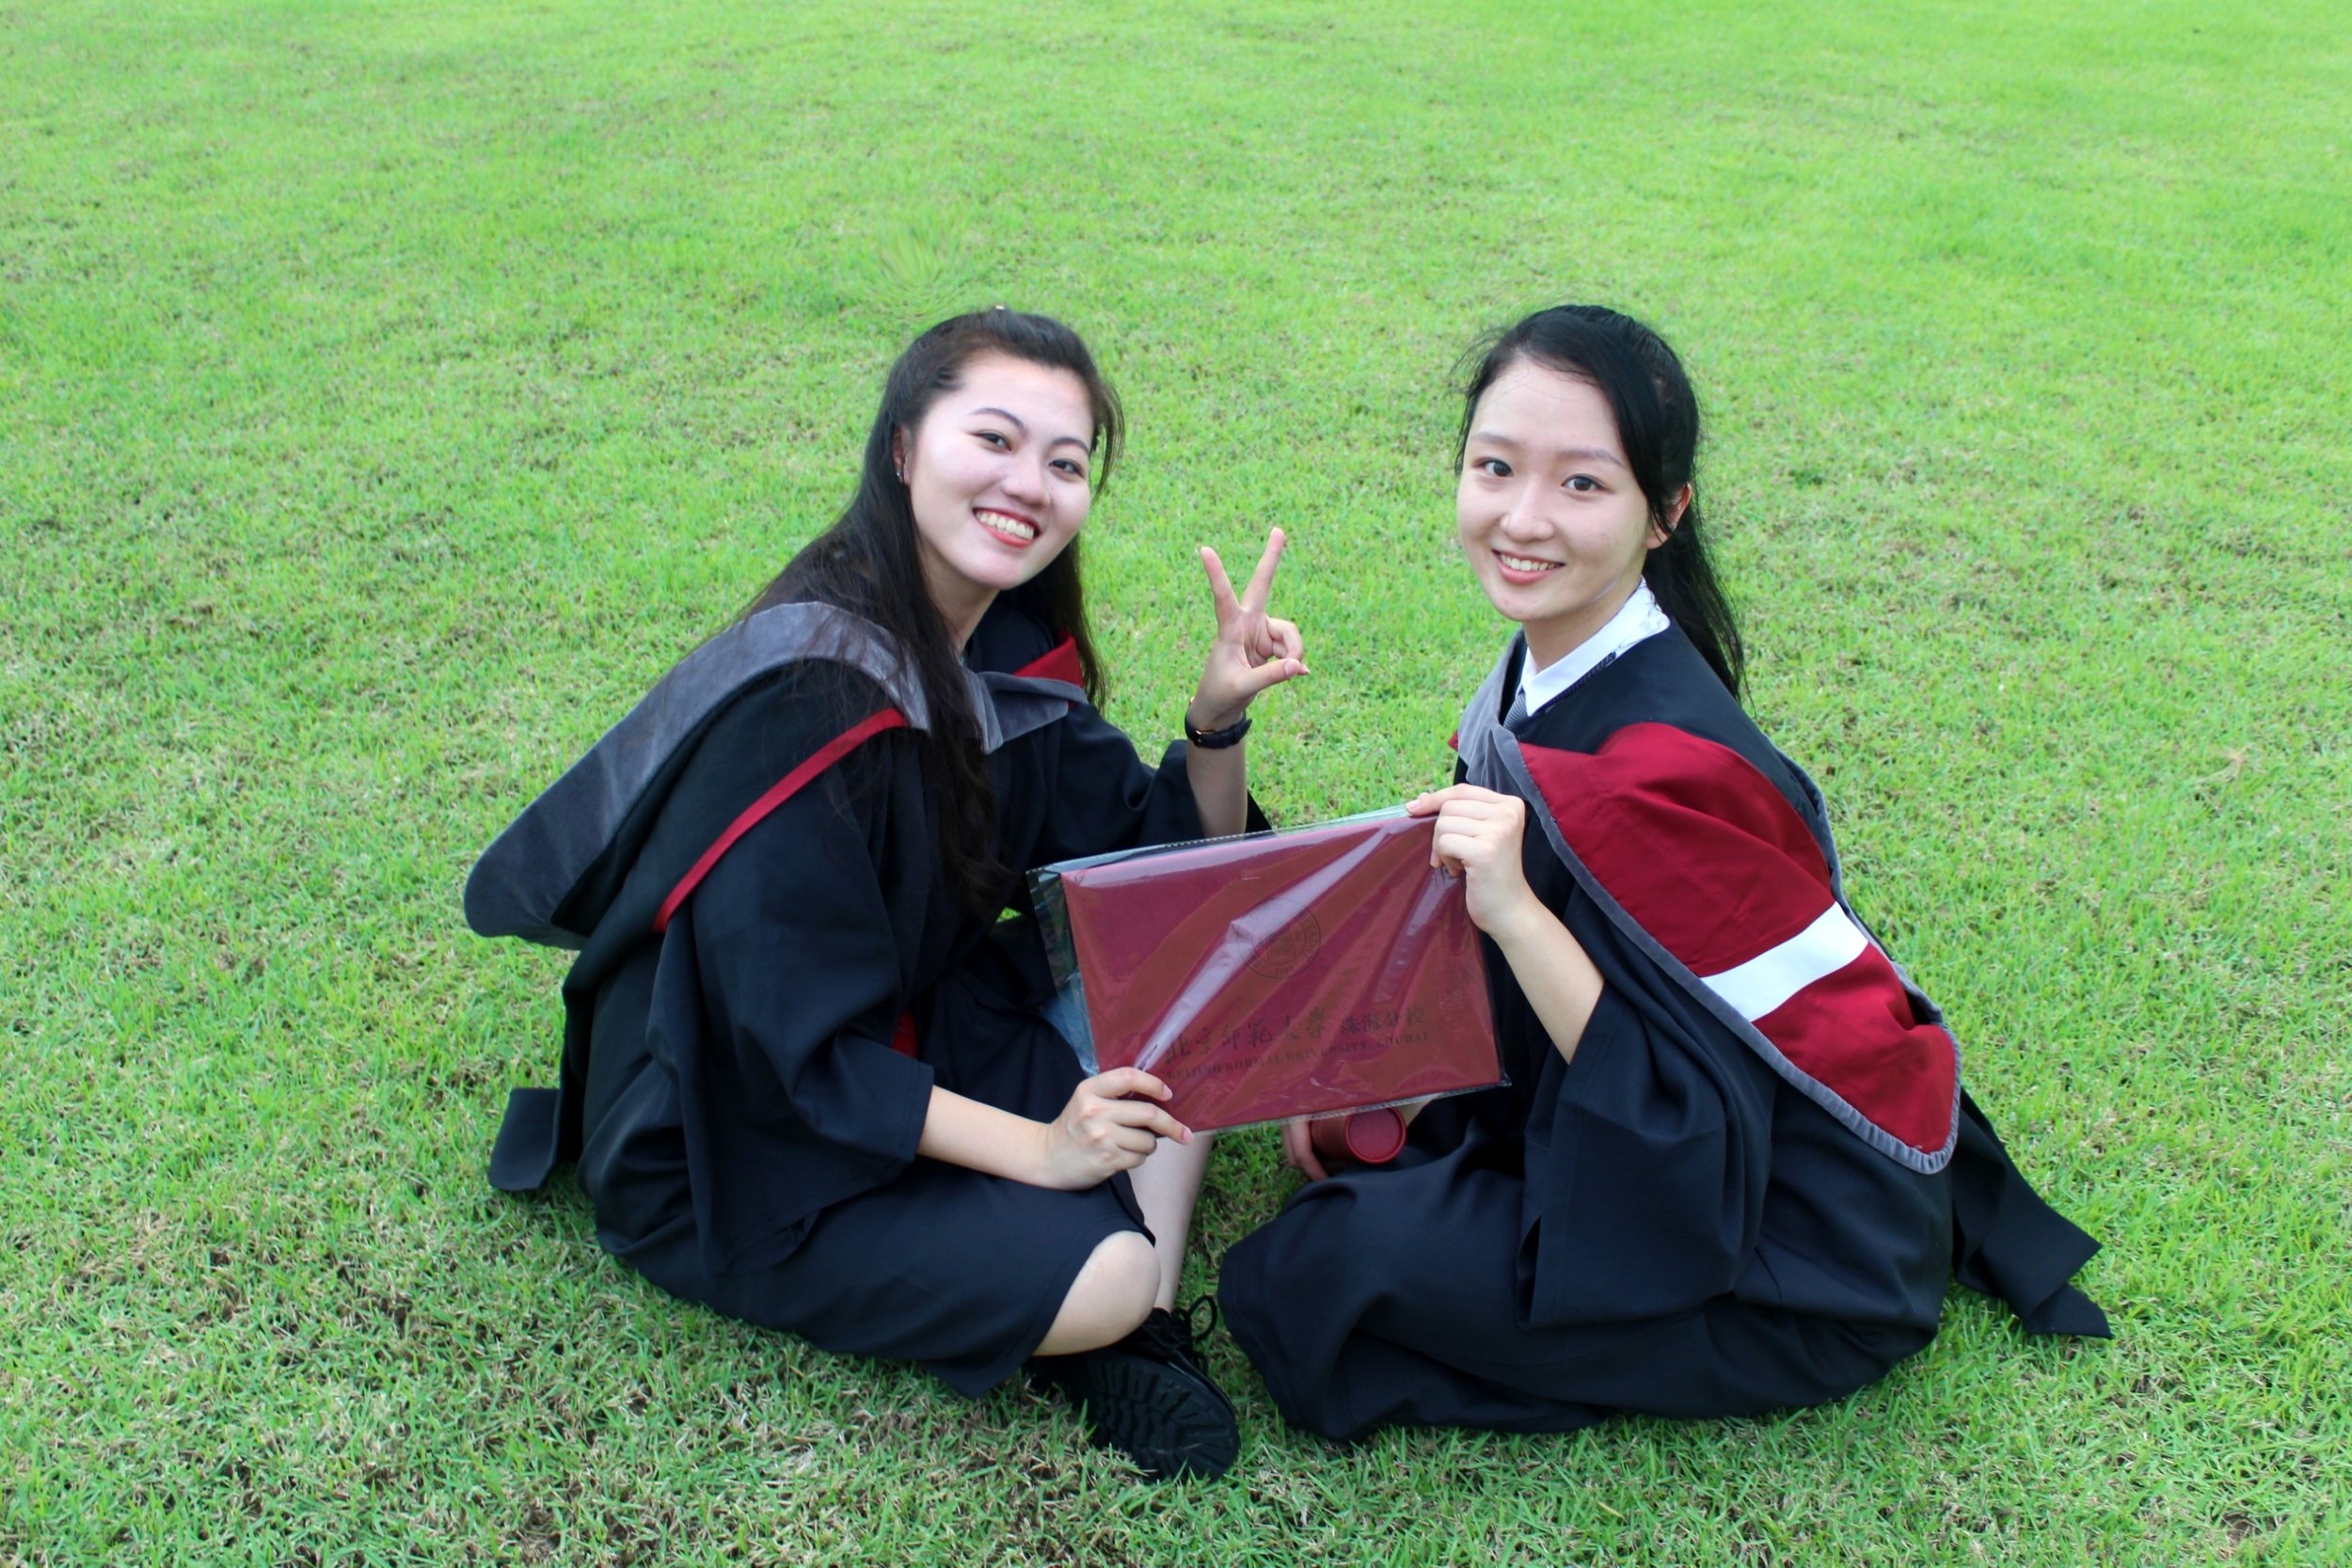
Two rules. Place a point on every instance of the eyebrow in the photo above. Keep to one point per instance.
(1589, 455)
(1023, 425)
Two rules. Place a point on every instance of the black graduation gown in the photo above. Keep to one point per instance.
(1705, 1213)
(775, 972)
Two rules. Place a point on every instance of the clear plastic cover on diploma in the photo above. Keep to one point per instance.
(1277, 976)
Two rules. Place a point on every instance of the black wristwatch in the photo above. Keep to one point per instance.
(1216, 740)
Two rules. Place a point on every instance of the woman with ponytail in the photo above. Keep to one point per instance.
(1734, 1167)
(807, 1080)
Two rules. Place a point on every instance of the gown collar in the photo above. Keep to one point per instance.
(1636, 619)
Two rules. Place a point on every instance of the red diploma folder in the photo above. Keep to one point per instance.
(1288, 974)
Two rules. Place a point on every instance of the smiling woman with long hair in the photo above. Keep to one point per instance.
(807, 1080)
(1733, 1169)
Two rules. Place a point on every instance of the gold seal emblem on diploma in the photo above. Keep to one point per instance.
(1289, 949)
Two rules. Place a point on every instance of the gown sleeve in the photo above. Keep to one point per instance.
(1646, 1157)
(1105, 798)
(781, 982)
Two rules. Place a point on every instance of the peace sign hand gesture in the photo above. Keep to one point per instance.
(1252, 651)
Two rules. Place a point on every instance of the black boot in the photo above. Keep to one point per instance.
(1148, 1397)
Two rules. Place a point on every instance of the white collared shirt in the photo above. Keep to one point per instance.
(1637, 618)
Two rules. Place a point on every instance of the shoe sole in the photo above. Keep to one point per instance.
(1167, 1422)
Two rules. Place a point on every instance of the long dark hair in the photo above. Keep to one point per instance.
(867, 562)
(1657, 425)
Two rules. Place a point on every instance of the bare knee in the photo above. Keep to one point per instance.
(1113, 1294)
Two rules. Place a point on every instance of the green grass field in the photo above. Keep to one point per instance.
(389, 393)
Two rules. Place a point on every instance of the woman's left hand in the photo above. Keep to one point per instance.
(1252, 651)
(1478, 837)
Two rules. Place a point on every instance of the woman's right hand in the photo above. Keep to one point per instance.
(1252, 650)
(1106, 1129)
(1477, 839)
(1298, 1151)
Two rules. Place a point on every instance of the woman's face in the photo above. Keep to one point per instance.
(998, 474)
(1547, 510)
